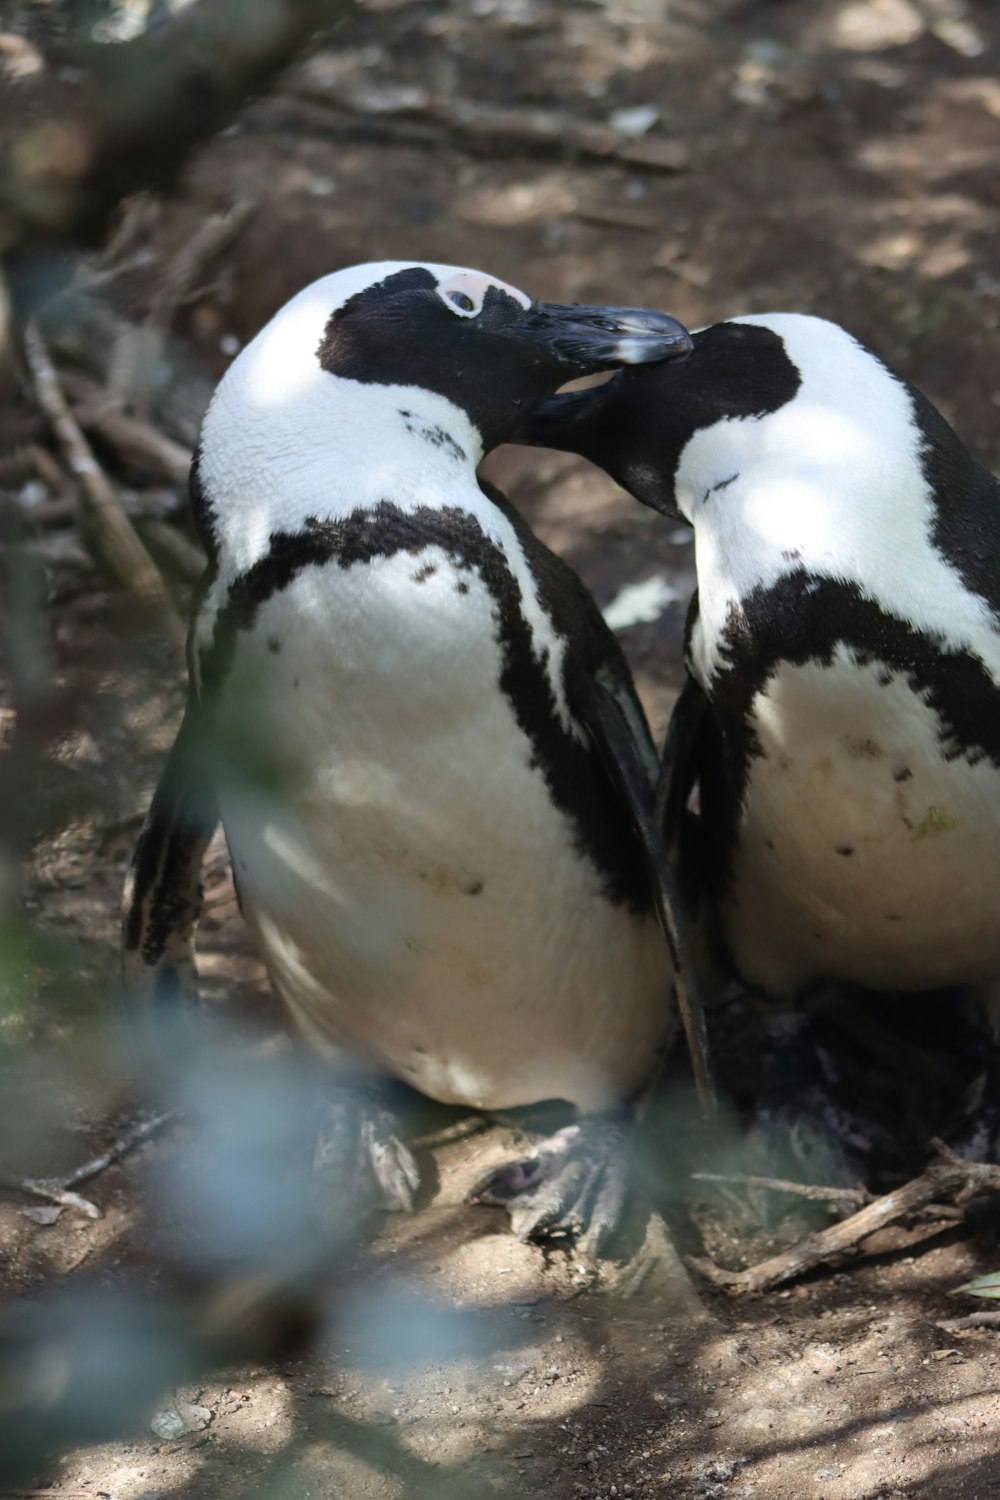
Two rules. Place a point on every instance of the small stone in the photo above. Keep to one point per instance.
(44, 1213)
(177, 1420)
(167, 1424)
(635, 121)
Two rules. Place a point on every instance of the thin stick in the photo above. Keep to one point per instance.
(971, 1320)
(114, 537)
(475, 128)
(144, 350)
(121, 1148)
(639, 1277)
(459, 1130)
(950, 1177)
(780, 1185)
(59, 1189)
(52, 1192)
(188, 558)
(136, 439)
(208, 241)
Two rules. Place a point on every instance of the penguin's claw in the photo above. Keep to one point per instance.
(360, 1155)
(574, 1186)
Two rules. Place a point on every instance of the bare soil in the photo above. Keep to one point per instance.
(838, 158)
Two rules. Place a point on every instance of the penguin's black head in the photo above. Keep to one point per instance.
(480, 343)
(637, 425)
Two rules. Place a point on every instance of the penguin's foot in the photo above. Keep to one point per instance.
(361, 1156)
(574, 1185)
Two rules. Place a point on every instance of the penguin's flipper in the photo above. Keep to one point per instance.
(162, 898)
(683, 753)
(609, 710)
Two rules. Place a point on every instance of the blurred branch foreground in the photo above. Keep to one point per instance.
(90, 123)
(243, 1266)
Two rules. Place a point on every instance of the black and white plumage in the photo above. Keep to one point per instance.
(442, 761)
(843, 708)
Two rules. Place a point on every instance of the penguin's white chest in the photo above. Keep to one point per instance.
(419, 900)
(863, 853)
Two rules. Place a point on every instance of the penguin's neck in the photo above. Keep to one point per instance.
(278, 456)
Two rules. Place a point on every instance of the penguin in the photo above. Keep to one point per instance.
(841, 714)
(435, 778)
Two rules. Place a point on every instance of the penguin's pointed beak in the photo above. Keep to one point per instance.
(603, 338)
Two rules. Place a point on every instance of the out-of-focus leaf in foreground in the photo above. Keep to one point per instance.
(982, 1286)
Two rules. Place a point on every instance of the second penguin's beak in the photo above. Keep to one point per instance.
(603, 338)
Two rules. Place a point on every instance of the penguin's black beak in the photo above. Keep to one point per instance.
(603, 338)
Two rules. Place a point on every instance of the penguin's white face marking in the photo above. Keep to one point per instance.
(464, 292)
(831, 482)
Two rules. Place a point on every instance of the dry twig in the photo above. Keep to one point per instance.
(490, 129)
(136, 439)
(781, 1185)
(659, 1269)
(59, 1190)
(115, 540)
(949, 1178)
(122, 1147)
(52, 1192)
(186, 558)
(142, 348)
(209, 240)
(971, 1320)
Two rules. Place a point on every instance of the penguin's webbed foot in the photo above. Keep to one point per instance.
(575, 1184)
(361, 1155)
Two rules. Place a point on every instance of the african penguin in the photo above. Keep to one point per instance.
(434, 775)
(843, 709)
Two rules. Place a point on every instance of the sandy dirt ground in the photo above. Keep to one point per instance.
(831, 157)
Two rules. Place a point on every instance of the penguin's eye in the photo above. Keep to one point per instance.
(461, 301)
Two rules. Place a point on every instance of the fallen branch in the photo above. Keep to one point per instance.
(950, 1178)
(971, 1320)
(480, 129)
(114, 538)
(136, 439)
